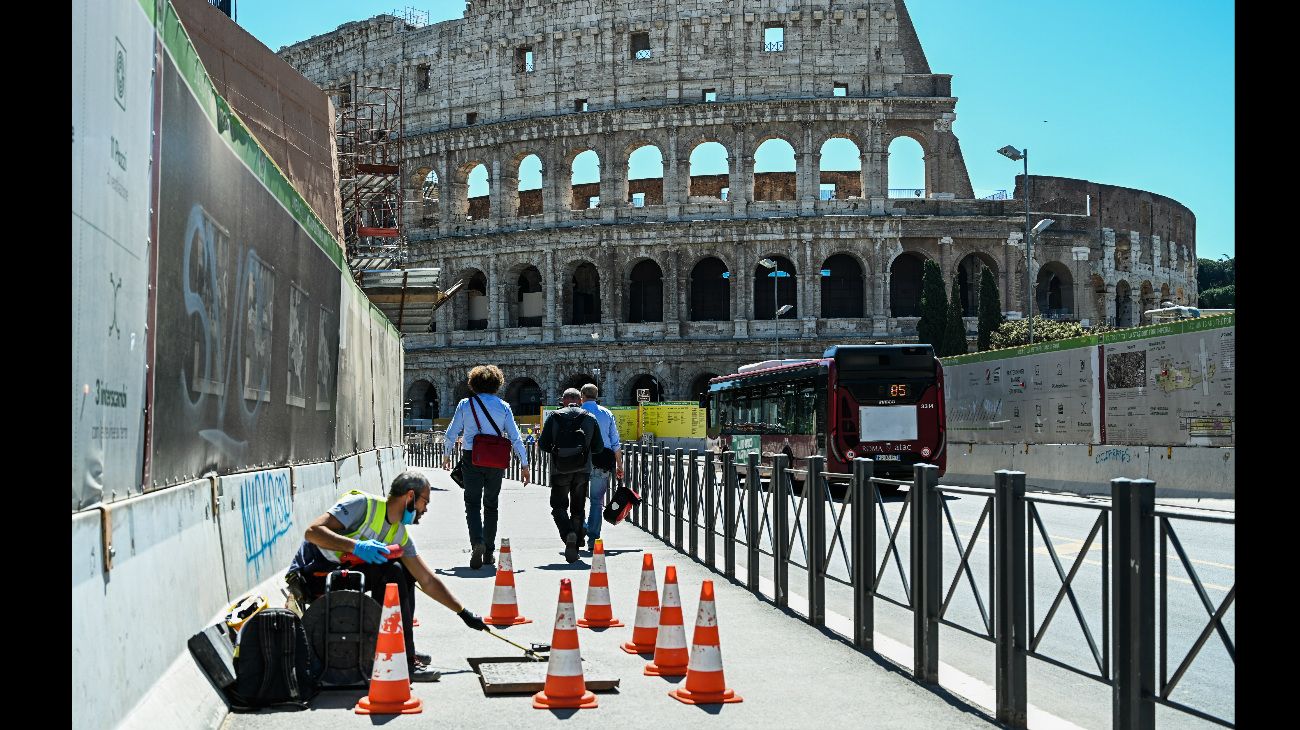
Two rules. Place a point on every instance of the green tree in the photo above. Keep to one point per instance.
(1016, 331)
(934, 307)
(954, 332)
(1221, 297)
(990, 309)
(1211, 274)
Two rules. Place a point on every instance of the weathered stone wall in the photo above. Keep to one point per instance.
(708, 76)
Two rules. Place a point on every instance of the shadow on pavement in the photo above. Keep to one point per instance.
(462, 571)
(578, 565)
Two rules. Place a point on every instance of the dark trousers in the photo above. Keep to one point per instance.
(569, 503)
(377, 579)
(482, 489)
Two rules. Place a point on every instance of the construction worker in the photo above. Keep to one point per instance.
(364, 525)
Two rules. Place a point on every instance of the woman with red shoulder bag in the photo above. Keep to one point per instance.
(487, 427)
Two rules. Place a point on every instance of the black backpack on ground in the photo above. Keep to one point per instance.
(273, 666)
(570, 442)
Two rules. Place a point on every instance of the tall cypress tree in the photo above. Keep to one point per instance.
(990, 310)
(934, 307)
(954, 333)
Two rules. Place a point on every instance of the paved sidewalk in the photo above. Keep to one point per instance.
(790, 674)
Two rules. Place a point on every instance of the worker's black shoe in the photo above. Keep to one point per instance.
(476, 559)
(424, 674)
(487, 558)
(571, 547)
(422, 660)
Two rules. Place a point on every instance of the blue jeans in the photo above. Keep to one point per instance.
(598, 485)
(482, 487)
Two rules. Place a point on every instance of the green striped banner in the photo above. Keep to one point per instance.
(235, 133)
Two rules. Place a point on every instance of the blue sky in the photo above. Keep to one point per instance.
(1138, 94)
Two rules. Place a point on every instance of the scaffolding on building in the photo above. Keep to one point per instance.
(369, 135)
(370, 140)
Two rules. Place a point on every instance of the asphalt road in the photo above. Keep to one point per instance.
(1072, 692)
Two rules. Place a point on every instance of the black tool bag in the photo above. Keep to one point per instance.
(273, 667)
(624, 499)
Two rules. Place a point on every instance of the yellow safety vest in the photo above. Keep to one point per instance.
(372, 527)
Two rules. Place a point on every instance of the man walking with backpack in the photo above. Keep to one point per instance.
(605, 465)
(571, 435)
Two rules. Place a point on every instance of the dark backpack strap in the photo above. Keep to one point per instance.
(485, 413)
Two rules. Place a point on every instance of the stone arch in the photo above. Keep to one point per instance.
(584, 193)
(1124, 305)
(786, 288)
(776, 184)
(842, 287)
(524, 396)
(839, 180)
(642, 189)
(907, 166)
(471, 202)
(645, 293)
(530, 175)
(1146, 301)
(470, 305)
(1054, 291)
(581, 300)
(710, 291)
(422, 400)
(705, 182)
(461, 390)
(649, 382)
(575, 380)
(699, 383)
(1164, 294)
(427, 182)
(525, 298)
(968, 280)
(905, 284)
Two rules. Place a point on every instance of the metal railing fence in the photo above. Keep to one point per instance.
(828, 525)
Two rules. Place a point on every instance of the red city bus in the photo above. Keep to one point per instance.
(880, 401)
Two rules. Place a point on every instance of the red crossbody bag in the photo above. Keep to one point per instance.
(489, 451)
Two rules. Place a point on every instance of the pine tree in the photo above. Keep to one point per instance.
(990, 309)
(954, 333)
(934, 307)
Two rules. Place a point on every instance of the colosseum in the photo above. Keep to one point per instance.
(664, 281)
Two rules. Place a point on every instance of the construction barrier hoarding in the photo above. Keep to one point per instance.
(1163, 385)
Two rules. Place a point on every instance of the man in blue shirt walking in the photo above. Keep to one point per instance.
(600, 478)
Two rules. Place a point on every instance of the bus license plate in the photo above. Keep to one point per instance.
(886, 457)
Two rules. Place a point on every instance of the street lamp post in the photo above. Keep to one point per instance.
(1014, 154)
(776, 274)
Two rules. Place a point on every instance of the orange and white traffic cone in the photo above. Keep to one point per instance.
(598, 614)
(704, 682)
(646, 627)
(565, 687)
(505, 609)
(390, 681)
(671, 658)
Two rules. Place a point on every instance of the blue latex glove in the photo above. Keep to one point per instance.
(371, 551)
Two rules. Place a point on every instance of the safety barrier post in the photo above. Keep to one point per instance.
(753, 482)
(1010, 596)
(729, 487)
(815, 505)
(652, 455)
(710, 508)
(1133, 585)
(927, 579)
(679, 496)
(864, 553)
(693, 543)
(781, 529)
(629, 459)
(665, 492)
